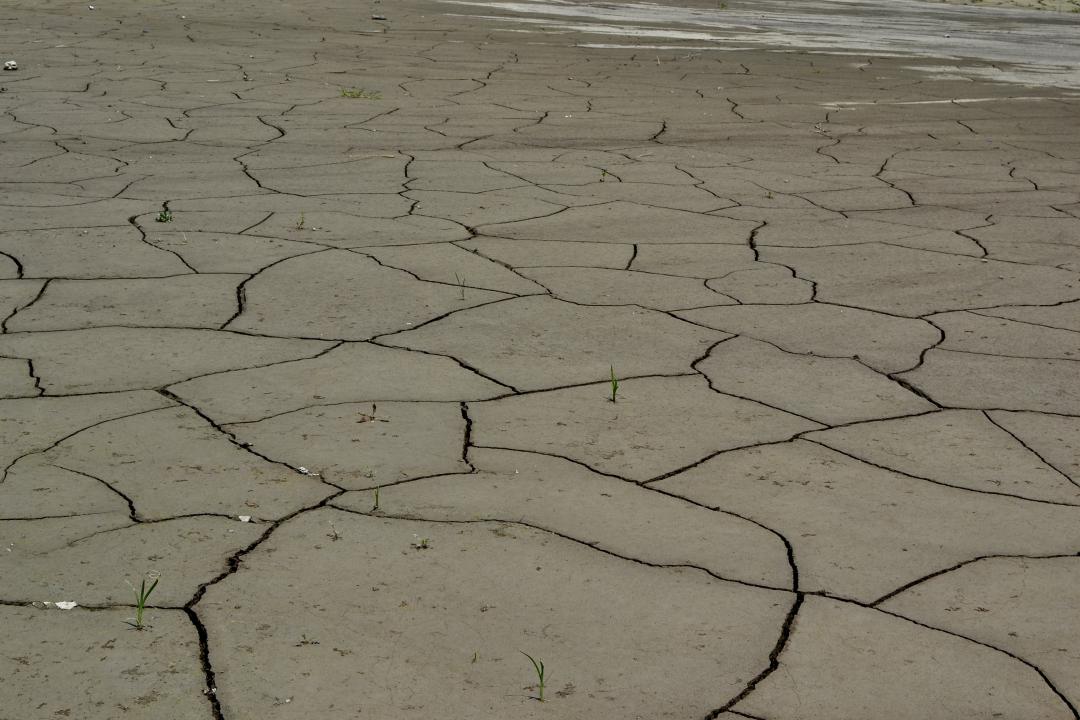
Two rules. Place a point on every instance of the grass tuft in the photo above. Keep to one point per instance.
(141, 596)
(361, 94)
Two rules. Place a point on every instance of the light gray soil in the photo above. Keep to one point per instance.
(314, 314)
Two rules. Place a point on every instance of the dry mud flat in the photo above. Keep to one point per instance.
(840, 480)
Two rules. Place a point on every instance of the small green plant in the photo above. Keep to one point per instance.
(421, 543)
(461, 284)
(614, 384)
(164, 216)
(375, 493)
(538, 666)
(300, 222)
(141, 596)
(361, 94)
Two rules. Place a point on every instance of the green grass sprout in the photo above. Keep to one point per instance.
(360, 94)
(141, 596)
(538, 665)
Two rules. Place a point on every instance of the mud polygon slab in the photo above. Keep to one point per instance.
(532, 253)
(96, 214)
(475, 593)
(15, 294)
(35, 488)
(191, 301)
(461, 176)
(928, 216)
(651, 194)
(620, 222)
(353, 372)
(209, 215)
(830, 391)
(9, 268)
(1056, 438)
(450, 264)
(360, 445)
(481, 209)
(171, 462)
(111, 359)
(367, 175)
(1007, 228)
(977, 333)
(910, 282)
(344, 230)
(655, 426)
(610, 514)
(332, 295)
(867, 198)
(883, 666)
(971, 380)
(1032, 203)
(15, 379)
(89, 253)
(1065, 315)
(88, 664)
(1059, 255)
(862, 532)
(885, 342)
(693, 260)
(23, 539)
(554, 195)
(226, 252)
(33, 424)
(601, 286)
(765, 285)
(551, 173)
(538, 342)
(92, 569)
(954, 447)
(992, 601)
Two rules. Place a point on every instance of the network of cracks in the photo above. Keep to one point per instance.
(338, 367)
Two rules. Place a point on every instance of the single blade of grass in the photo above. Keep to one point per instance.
(538, 666)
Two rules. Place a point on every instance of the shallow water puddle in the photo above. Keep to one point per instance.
(1042, 48)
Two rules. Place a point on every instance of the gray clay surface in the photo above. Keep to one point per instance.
(311, 311)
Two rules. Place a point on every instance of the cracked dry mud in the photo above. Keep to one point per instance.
(840, 480)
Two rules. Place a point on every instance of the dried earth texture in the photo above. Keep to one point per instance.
(312, 309)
